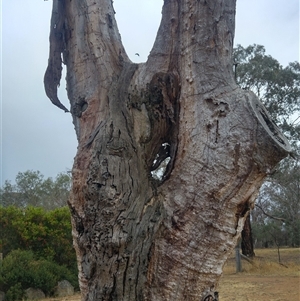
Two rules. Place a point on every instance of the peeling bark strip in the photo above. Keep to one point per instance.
(53, 72)
(137, 238)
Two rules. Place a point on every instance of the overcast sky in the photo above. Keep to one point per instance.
(35, 134)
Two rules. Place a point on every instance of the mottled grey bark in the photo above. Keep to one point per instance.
(137, 238)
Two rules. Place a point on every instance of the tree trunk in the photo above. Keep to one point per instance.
(138, 238)
(247, 240)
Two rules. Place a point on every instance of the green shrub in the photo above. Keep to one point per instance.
(21, 270)
(37, 248)
(15, 292)
(46, 233)
(10, 238)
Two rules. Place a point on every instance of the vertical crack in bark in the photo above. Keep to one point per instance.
(125, 276)
(217, 131)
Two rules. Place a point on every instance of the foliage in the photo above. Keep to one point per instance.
(36, 242)
(277, 87)
(31, 188)
(15, 292)
(46, 233)
(285, 190)
(21, 269)
(280, 198)
(10, 238)
(37, 249)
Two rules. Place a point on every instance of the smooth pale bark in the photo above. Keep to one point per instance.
(137, 238)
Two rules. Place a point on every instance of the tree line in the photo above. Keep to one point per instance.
(31, 188)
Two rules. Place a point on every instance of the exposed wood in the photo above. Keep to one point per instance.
(137, 238)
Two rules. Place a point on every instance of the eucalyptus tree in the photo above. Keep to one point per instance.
(136, 237)
(279, 208)
(277, 87)
(32, 189)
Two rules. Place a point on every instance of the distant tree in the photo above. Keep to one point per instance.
(8, 196)
(279, 90)
(286, 198)
(280, 197)
(56, 192)
(31, 188)
(277, 87)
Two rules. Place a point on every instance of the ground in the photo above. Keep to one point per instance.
(264, 280)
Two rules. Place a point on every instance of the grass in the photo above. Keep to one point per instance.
(264, 279)
(266, 263)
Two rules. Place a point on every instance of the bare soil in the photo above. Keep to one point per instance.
(264, 280)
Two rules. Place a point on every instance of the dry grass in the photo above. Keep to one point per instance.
(75, 297)
(266, 263)
(264, 280)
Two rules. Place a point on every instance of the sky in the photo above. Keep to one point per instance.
(36, 135)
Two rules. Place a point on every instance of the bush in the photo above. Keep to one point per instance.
(15, 292)
(37, 248)
(46, 233)
(21, 270)
(10, 238)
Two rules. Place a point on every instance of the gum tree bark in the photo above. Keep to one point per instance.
(138, 238)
